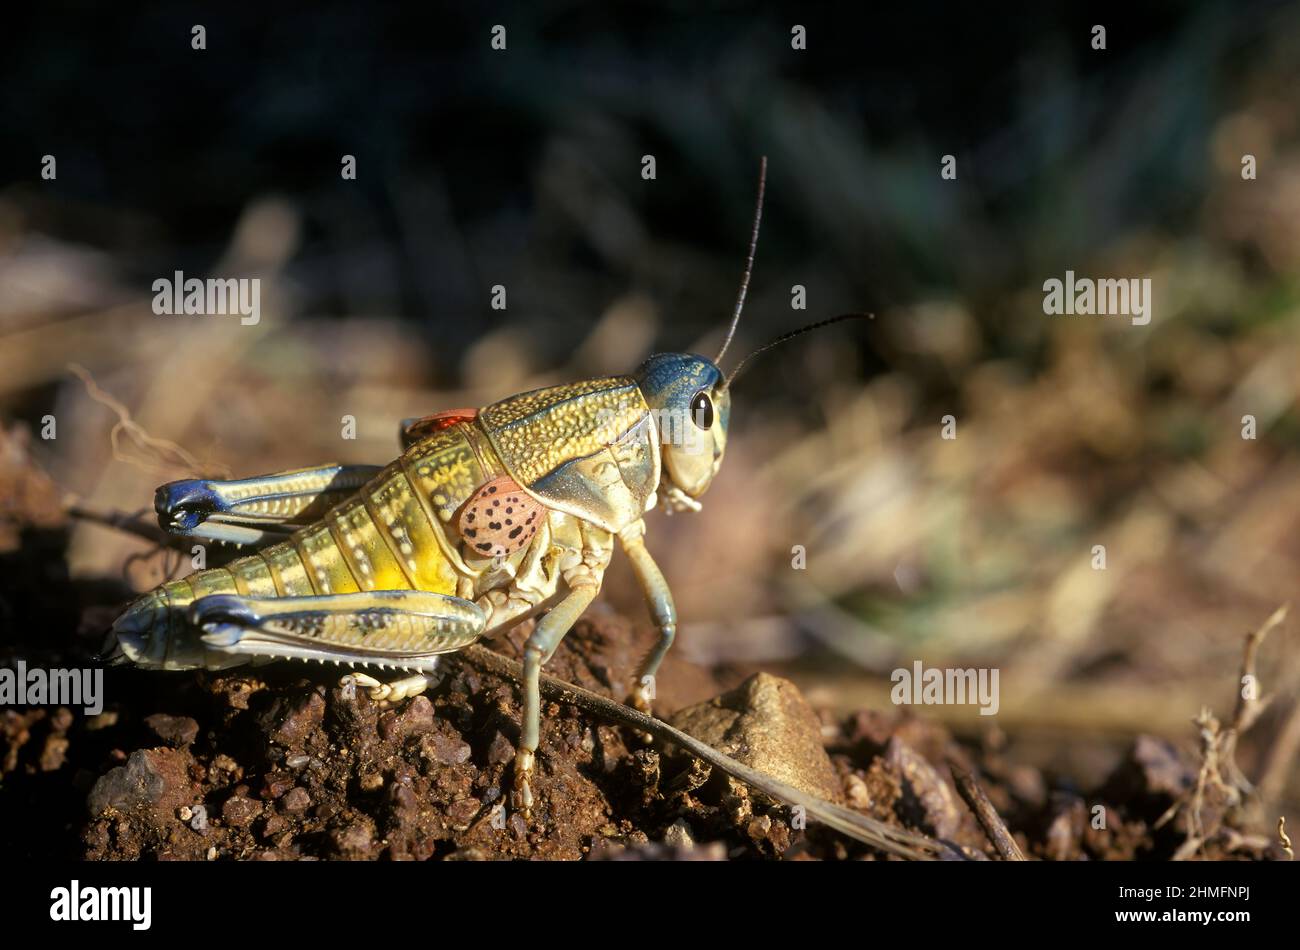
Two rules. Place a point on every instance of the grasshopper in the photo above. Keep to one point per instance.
(490, 516)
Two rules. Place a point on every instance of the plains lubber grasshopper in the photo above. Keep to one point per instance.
(490, 516)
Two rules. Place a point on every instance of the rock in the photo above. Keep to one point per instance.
(405, 805)
(272, 826)
(766, 724)
(104, 720)
(62, 719)
(416, 718)
(355, 842)
(501, 750)
(858, 795)
(276, 784)
(296, 800)
(151, 778)
(1027, 784)
(1064, 839)
(235, 691)
(290, 725)
(679, 835)
(54, 753)
(461, 814)
(176, 731)
(224, 766)
(445, 750)
(869, 730)
(776, 834)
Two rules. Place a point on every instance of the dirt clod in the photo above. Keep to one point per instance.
(239, 812)
(176, 731)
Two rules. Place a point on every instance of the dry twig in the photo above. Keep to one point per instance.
(994, 827)
(1219, 776)
(157, 455)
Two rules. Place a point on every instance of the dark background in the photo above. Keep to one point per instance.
(474, 164)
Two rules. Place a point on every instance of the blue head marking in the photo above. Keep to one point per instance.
(667, 378)
(689, 398)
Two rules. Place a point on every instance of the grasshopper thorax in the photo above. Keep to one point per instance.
(691, 406)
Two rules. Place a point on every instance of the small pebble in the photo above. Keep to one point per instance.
(444, 750)
(103, 721)
(462, 813)
(296, 800)
(679, 834)
(857, 794)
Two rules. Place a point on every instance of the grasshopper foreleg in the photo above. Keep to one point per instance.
(660, 601)
(404, 630)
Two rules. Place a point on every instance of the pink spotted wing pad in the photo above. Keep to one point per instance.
(499, 518)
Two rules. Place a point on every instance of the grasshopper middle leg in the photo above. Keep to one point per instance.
(586, 553)
(540, 647)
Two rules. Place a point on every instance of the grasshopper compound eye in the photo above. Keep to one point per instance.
(702, 410)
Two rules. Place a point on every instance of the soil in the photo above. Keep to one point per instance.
(284, 763)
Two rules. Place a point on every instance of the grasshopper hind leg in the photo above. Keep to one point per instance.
(256, 511)
(395, 690)
(391, 629)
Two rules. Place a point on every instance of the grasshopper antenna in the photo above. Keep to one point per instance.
(749, 263)
(791, 335)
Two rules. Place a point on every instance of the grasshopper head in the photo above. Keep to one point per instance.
(690, 398)
(691, 405)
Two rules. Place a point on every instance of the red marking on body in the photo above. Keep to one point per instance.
(426, 426)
